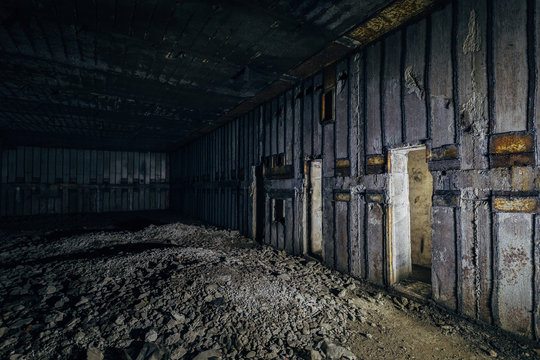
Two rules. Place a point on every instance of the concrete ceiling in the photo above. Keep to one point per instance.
(149, 74)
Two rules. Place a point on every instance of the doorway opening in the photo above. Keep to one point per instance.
(258, 205)
(410, 193)
(313, 239)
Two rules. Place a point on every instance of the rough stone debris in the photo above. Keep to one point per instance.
(183, 291)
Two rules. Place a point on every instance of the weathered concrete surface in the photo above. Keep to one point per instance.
(420, 193)
(443, 270)
(514, 272)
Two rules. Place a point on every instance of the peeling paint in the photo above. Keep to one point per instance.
(472, 41)
(412, 84)
(510, 144)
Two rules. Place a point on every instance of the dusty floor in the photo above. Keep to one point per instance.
(183, 291)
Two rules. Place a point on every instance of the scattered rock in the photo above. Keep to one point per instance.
(178, 353)
(208, 355)
(492, 353)
(151, 336)
(314, 355)
(208, 291)
(94, 354)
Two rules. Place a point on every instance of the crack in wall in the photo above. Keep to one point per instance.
(472, 113)
(475, 258)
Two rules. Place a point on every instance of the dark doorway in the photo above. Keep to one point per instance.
(259, 213)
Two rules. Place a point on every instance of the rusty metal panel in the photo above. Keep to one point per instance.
(375, 164)
(514, 270)
(521, 204)
(342, 196)
(524, 159)
(511, 144)
(449, 152)
(389, 18)
(375, 243)
(342, 168)
(509, 150)
(443, 263)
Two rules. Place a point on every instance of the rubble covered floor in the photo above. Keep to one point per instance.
(184, 291)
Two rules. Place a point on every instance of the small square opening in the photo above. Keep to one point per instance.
(327, 111)
(278, 210)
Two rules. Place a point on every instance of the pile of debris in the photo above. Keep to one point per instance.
(182, 291)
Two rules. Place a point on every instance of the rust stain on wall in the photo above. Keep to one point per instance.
(376, 198)
(450, 152)
(342, 197)
(375, 160)
(511, 144)
(343, 163)
(525, 205)
(389, 18)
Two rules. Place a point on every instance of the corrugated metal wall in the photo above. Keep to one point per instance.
(59, 181)
(463, 81)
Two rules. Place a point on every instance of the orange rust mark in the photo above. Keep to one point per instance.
(448, 153)
(388, 19)
(343, 163)
(510, 144)
(526, 205)
(376, 160)
(343, 197)
(375, 198)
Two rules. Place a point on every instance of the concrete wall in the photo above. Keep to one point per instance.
(37, 180)
(420, 193)
(463, 81)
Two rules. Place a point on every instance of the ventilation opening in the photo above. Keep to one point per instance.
(278, 212)
(410, 193)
